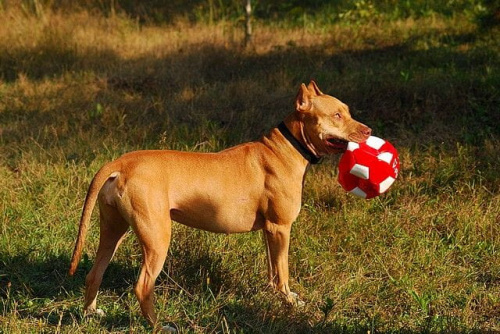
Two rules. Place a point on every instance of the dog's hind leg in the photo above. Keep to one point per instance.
(154, 234)
(113, 228)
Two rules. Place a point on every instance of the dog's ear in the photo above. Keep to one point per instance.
(303, 99)
(314, 88)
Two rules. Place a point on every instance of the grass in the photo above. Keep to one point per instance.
(79, 87)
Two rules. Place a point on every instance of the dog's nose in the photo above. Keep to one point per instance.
(366, 131)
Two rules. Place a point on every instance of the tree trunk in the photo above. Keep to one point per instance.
(248, 23)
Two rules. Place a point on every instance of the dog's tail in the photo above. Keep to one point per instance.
(107, 171)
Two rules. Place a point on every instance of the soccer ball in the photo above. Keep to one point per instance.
(368, 169)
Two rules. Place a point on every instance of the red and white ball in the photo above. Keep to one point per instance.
(368, 169)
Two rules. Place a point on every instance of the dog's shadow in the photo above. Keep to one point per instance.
(28, 281)
(32, 286)
(33, 276)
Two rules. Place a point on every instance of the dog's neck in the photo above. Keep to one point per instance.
(293, 130)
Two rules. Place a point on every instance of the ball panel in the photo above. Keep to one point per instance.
(375, 142)
(358, 192)
(384, 185)
(360, 171)
(351, 146)
(365, 152)
(379, 171)
(348, 181)
(385, 156)
(369, 188)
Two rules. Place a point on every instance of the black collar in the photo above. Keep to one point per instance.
(304, 151)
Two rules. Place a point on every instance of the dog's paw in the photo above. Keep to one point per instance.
(93, 312)
(295, 300)
(168, 329)
(99, 313)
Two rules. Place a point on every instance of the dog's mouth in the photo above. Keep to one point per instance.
(336, 144)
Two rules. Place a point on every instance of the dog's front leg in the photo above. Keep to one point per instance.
(277, 239)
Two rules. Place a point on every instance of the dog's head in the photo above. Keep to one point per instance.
(327, 123)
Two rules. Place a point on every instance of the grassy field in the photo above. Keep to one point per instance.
(79, 87)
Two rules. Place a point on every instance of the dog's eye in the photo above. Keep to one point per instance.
(338, 116)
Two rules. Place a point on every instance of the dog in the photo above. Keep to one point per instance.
(249, 187)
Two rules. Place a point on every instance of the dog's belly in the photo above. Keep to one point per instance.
(227, 218)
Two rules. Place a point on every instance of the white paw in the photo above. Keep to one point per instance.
(168, 329)
(92, 312)
(99, 313)
(295, 300)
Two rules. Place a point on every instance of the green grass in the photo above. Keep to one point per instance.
(79, 87)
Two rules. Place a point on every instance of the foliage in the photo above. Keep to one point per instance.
(287, 12)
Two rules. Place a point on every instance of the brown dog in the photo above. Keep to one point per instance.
(249, 187)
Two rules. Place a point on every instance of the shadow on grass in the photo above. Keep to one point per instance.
(26, 277)
(38, 288)
(30, 284)
(442, 93)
